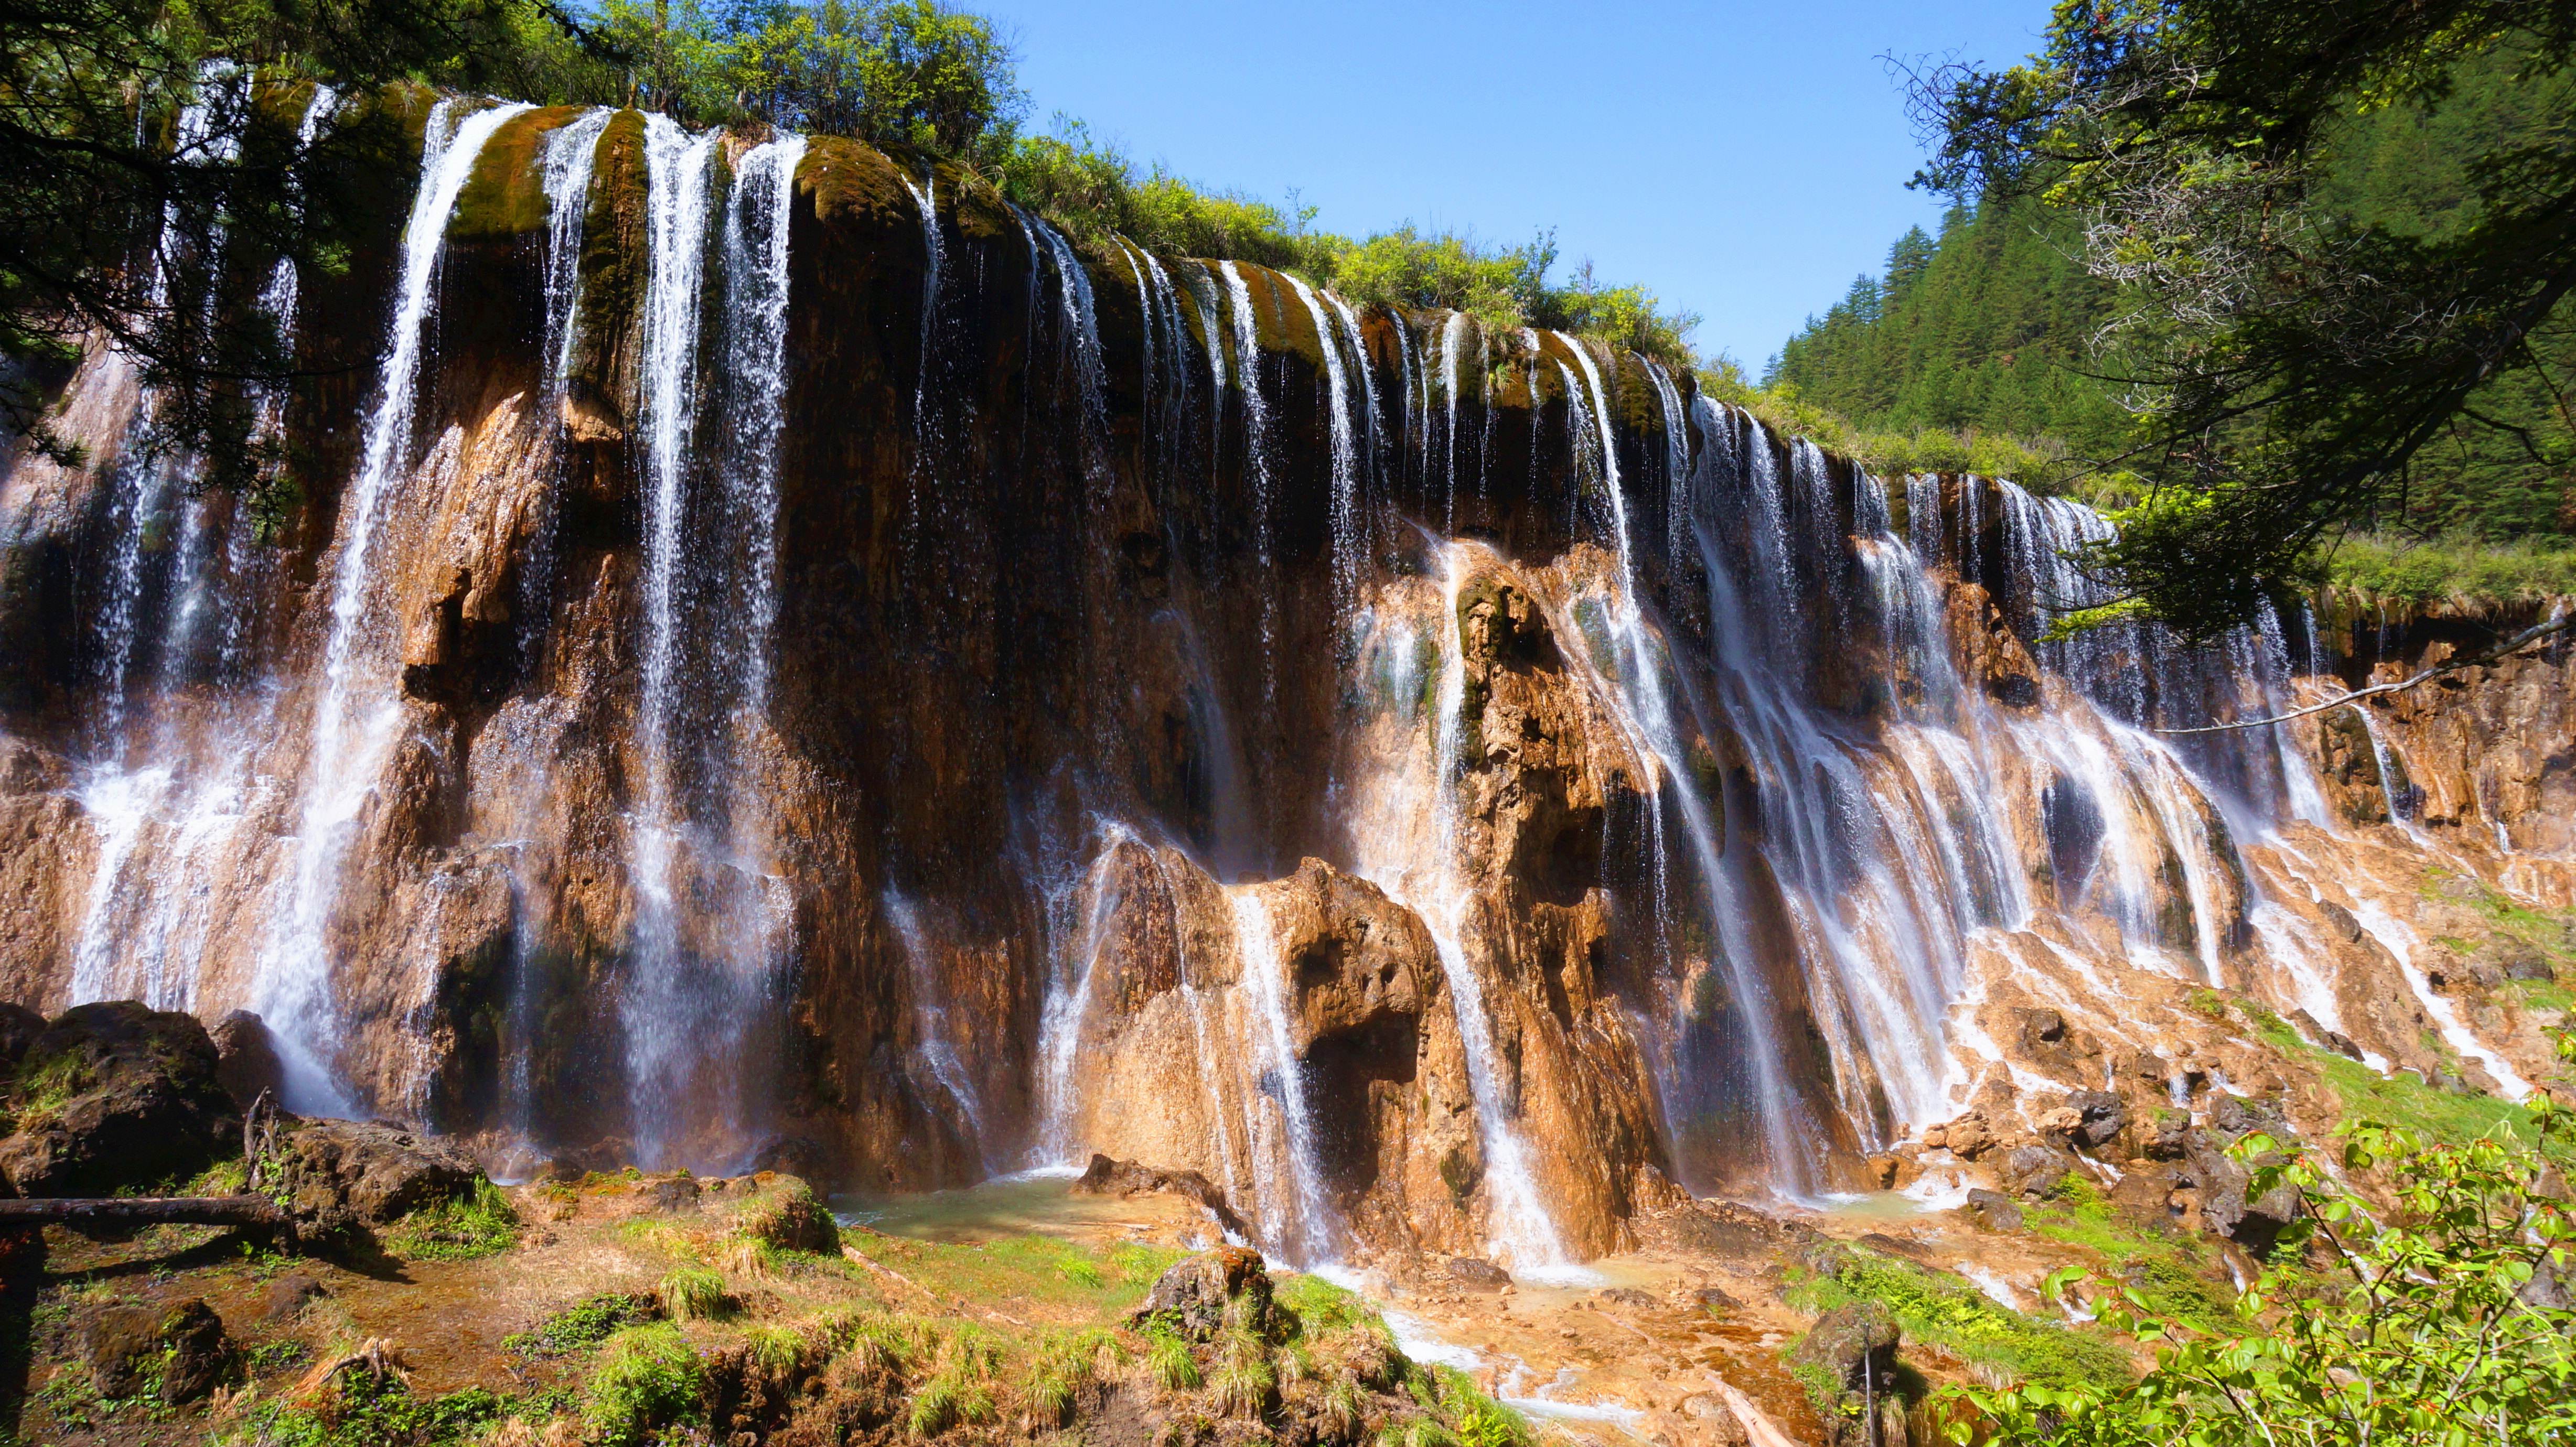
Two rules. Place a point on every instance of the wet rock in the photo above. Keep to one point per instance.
(1854, 1345)
(2103, 1116)
(1627, 1296)
(115, 1096)
(668, 1195)
(793, 1156)
(200, 1354)
(1993, 1210)
(367, 1173)
(1968, 1137)
(1888, 1171)
(2522, 960)
(246, 1060)
(2224, 1208)
(287, 1297)
(1105, 1177)
(2031, 1171)
(1714, 1300)
(2234, 1116)
(1196, 1295)
(2167, 1136)
(1477, 1274)
(19, 1027)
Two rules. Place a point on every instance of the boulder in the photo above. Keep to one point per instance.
(246, 1059)
(366, 1173)
(1993, 1210)
(785, 1212)
(19, 1027)
(1477, 1274)
(1855, 1346)
(200, 1354)
(287, 1297)
(116, 1345)
(1106, 1177)
(1968, 1137)
(2030, 1171)
(2102, 1114)
(1195, 1295)
(115, 1097)
(2224, 1207)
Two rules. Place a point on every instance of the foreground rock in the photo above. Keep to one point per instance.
(339, 1172)
(114, 1097)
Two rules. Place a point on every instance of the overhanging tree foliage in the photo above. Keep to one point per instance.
(2294, 359)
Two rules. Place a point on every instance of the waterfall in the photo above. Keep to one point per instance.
(356, 713)
(930, 1022)
(1345, 450)
(1410, 844)
(1305, 1235)
(702, 976)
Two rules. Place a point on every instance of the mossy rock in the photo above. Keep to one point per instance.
(854, 185)
(616, 265)
(505, 195)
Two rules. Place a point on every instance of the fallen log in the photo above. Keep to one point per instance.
(145, 1210)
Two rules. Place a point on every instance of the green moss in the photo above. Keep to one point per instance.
(2174, 1271)
(504, 196)
(1947, 1312)
(614, 262)
(367, 1413)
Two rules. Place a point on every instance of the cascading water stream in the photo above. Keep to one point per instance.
(1305, 1235)
(356, 713)
(1345, 452)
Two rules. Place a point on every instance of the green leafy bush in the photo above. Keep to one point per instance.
(1948, 1312)
(2425, 1331)
(585, 1323)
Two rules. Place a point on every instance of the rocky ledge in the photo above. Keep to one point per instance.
(400, 1296)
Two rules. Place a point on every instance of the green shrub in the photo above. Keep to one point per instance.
(2423, 1335)
(2463, 567)
(467, 1228)
(648, 1378)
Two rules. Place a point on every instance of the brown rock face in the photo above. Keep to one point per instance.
(964, 702)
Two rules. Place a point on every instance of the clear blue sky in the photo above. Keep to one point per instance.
(1744, 161)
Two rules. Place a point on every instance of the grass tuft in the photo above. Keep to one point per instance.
(649, 1379)
(467, 1228)
(693, 1293)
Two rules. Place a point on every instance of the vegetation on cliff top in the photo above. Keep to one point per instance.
(2330, 245)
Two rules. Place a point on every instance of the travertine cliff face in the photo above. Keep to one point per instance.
(784, 657)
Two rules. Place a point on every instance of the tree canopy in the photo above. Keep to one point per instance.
(2296, 358)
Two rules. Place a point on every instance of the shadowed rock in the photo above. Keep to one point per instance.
(115, 1096)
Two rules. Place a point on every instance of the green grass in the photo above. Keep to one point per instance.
(693, 1293)
(1040, 1268)
(2423, 572)
(465, 1229)
(649, 1379)
(585, 1323)
(2401, 1099)
(2161, 1263)
(1947, 1312)
(364, 1413)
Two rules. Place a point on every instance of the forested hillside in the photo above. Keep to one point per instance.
(1996, 326)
